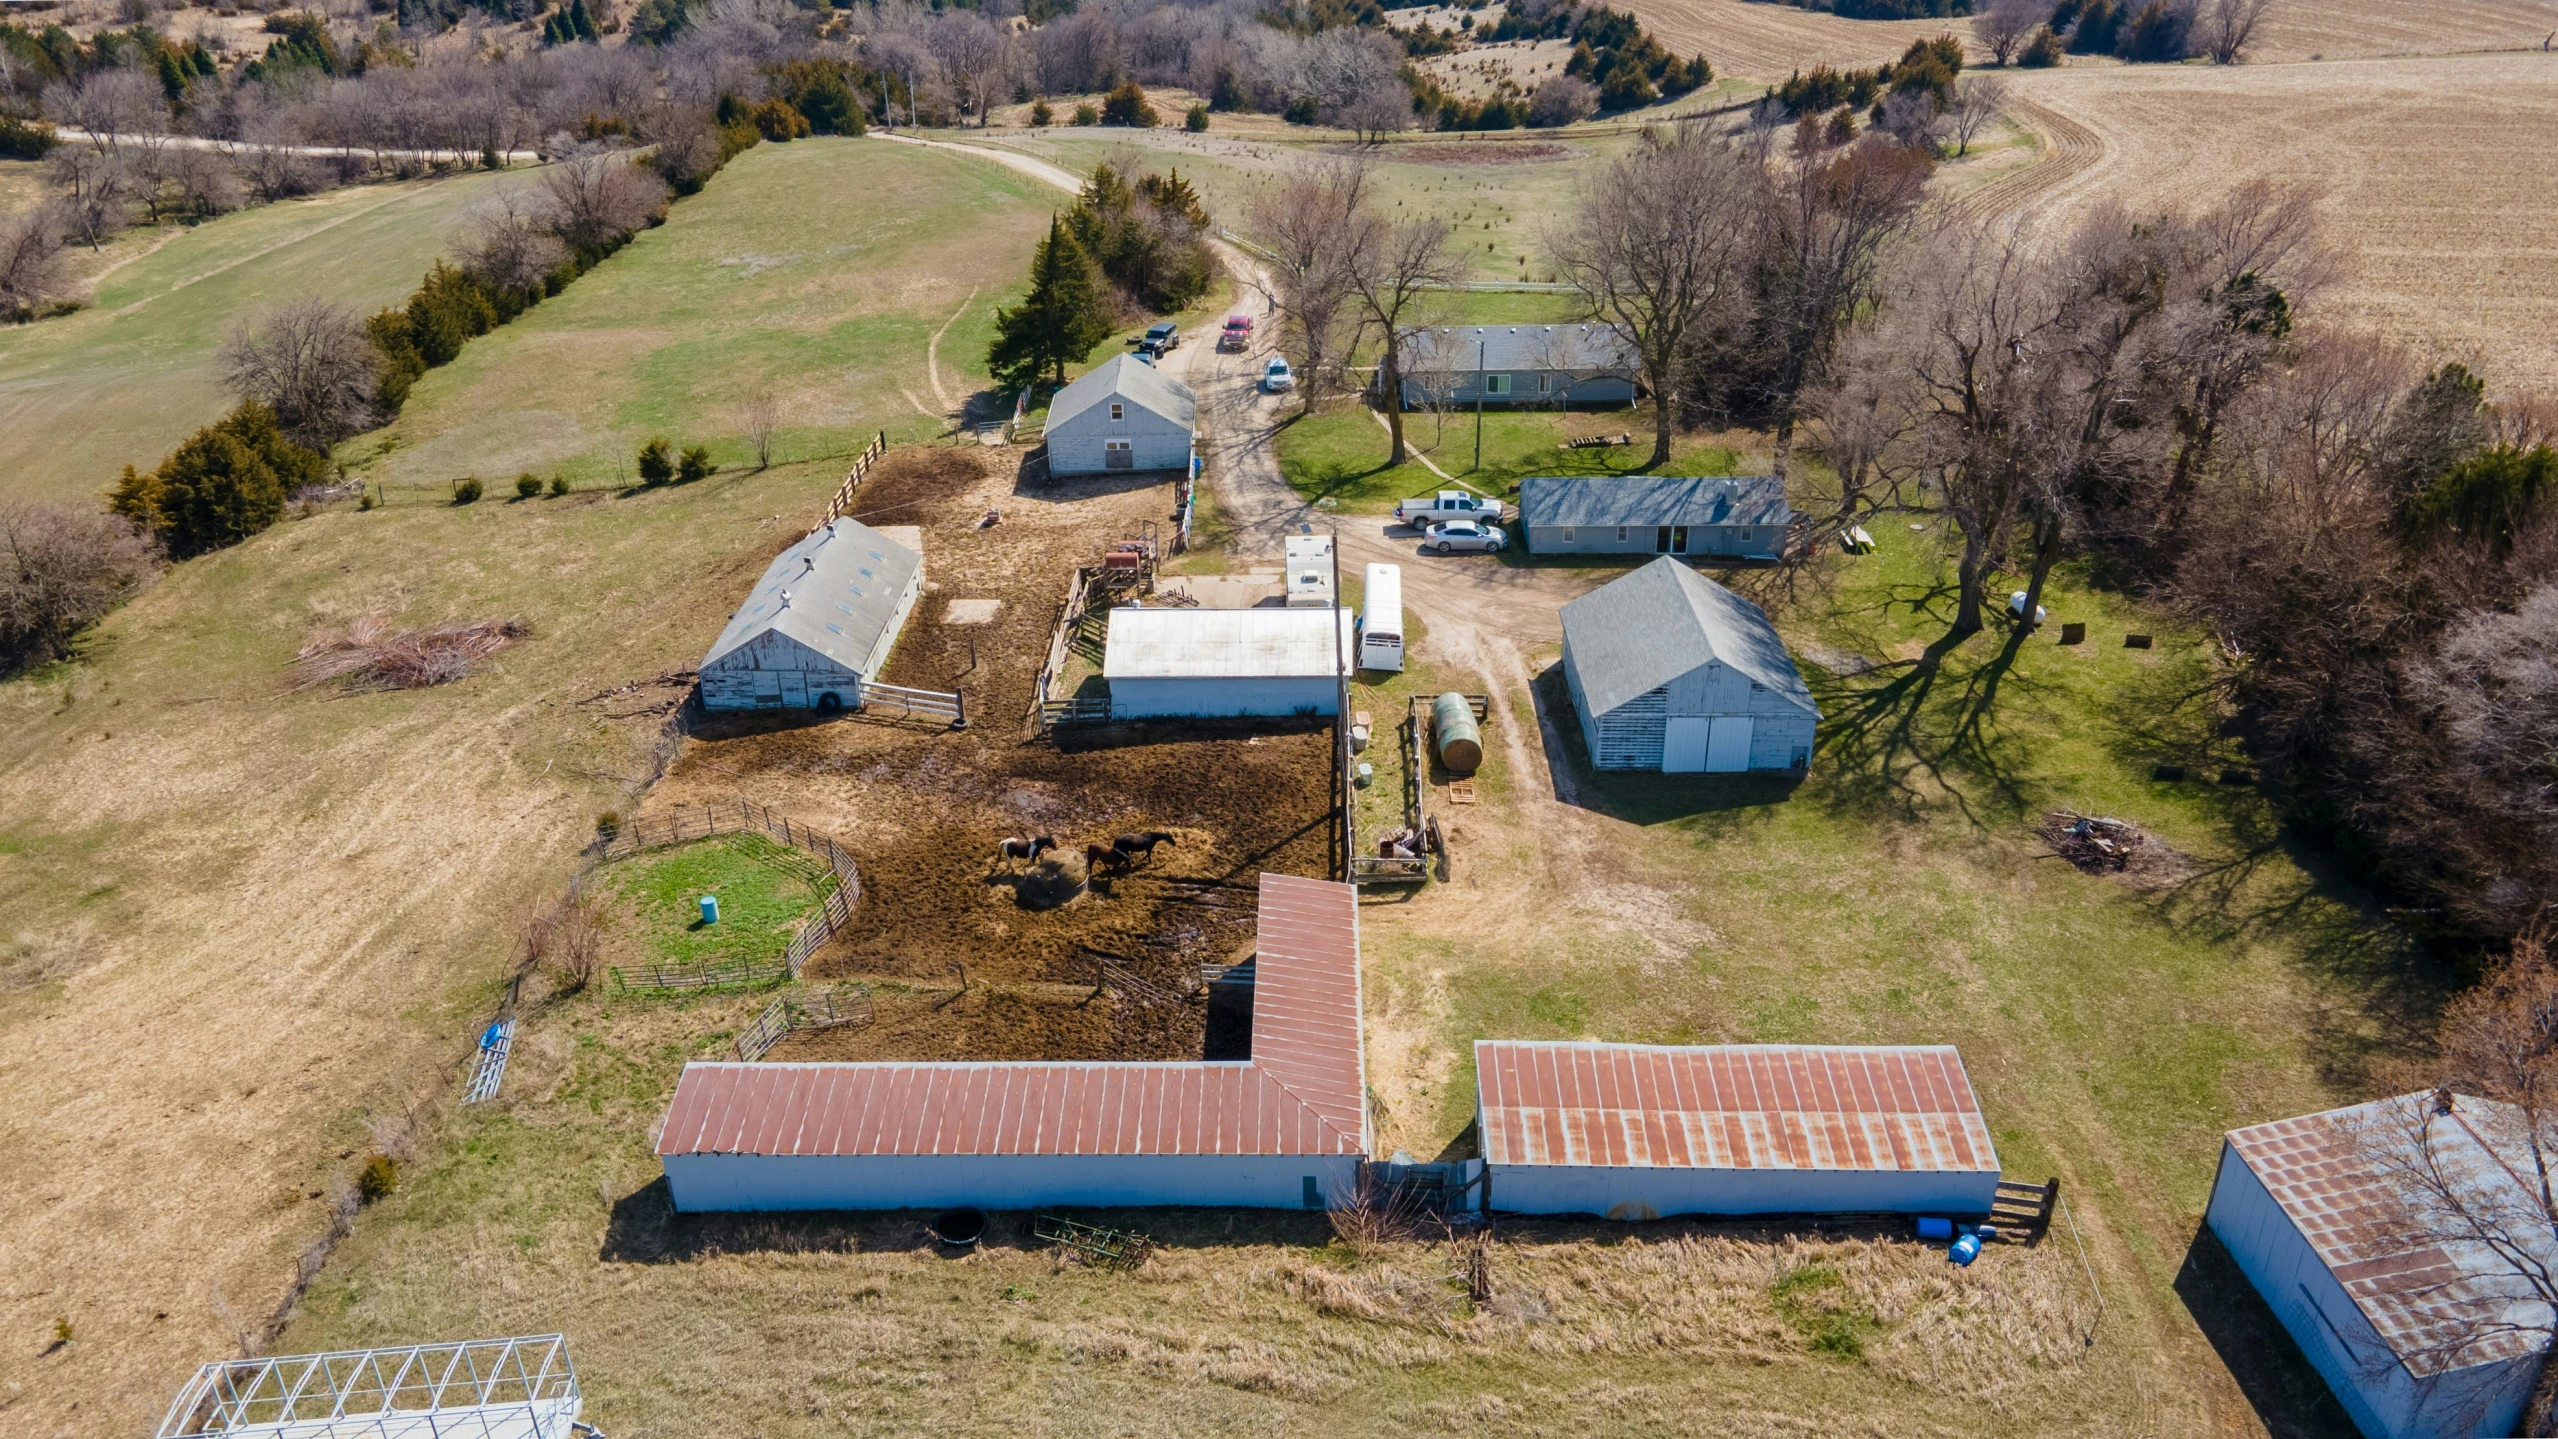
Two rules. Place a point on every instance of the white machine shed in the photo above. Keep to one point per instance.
(1210, 664)
(1636, 1131)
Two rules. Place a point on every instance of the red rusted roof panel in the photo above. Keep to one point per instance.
(1303, 1091)
(1730, 1107)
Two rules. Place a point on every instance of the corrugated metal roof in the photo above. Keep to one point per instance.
(1642, 630)
(1300, 1093)
(1121, 377)
(1576, 349)
(1599, 501)
(1741, 1106)
(2333, 1175)
(1263, 643)
(843, 583)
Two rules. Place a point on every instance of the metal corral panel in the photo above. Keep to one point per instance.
(1272, 1130)
(2307, 1212)
(476, 1389)
(703, 1182)
(1731, 1129)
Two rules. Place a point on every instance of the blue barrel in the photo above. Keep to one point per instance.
(1936, 1229)
(1966, 1249)
(710, 909)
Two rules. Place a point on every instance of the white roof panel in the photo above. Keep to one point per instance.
(1263, 643)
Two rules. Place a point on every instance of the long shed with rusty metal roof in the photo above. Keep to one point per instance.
(1639, 1131)
(1286, 1128)
(2419, 1320)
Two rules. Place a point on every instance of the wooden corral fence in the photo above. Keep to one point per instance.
(853, 478)
(843, 1005)
(1111, 976)
(1049, 708)
(687, 823)
(947, 706)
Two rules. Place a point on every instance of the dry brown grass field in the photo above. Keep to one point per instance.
(2351, 29)
(1755, 41)
(2439, 197)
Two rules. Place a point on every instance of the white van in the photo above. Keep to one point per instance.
(1381, 620)
(1309, 560)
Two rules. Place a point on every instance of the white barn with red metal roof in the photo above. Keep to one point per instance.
(1286, 1128)
(2420, 1322)
(1635, 1131)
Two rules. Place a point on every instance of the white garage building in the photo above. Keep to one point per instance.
(1285, 1129)
(818, 625)
(1122, 416)
(1635, 1131)
(1670, 671)
(1211, 664)
(2416, 1325)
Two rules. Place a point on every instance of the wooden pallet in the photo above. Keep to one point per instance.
(2025, 1208)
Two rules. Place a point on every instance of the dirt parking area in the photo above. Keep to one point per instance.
(923, 807)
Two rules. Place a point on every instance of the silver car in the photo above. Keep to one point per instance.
(1458, 535)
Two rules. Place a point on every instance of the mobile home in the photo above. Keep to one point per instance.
(1381, 619)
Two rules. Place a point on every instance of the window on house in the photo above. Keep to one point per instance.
(1118, 411)
(1621, 532)
(1496, 384)
(1545, 383)
(1567, 534)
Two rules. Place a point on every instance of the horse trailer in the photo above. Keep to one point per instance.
(1381, 619)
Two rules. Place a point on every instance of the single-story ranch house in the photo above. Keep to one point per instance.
(1734, 517)
(1122, 416)
(1454, 365)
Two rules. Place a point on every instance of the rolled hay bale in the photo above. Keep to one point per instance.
(1057, 879)
(1459, 738)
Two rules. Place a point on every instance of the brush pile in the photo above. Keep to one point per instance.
(2095, 843)
(368, 655)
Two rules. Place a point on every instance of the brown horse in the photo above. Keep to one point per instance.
(1142, 843)
(1101, 857)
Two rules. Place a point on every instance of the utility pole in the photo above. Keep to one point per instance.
(1479, 353)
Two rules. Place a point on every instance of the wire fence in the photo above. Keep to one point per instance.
(686, 823)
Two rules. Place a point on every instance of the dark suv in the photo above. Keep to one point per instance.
(1160, 339)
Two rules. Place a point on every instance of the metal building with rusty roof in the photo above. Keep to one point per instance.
(2419, 1319)
(1286, 1128)
(1638, 1131)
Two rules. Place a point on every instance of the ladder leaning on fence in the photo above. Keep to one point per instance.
(490, 1068)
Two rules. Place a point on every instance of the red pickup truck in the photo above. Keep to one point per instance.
(1237, 336)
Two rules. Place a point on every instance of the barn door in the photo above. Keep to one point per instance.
(1729, 751)
(1683, 745)
(1116, 455)
(794, 689)
(1678, 539)
(768, 688)
(1661, 540)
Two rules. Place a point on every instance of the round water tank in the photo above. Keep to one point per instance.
(1460, 739)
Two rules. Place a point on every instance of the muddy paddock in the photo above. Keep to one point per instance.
(922, 807)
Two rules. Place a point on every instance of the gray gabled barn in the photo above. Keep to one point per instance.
(1122, 416)
(1670, 671)
(1734, 517)
(818, 625)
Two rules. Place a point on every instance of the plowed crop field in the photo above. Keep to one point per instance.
(2355, 29)
(1769, 42)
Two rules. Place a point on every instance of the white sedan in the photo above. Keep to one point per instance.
(1458, 535)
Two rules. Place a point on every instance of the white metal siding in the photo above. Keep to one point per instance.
(710, 1182)
(1156, 443)
(1640, 1192)
(1721, 541)
(774, 671)
(1630, 736)
(1212, 698)
(1633, 735)
(879, 652)
(2384, 1400)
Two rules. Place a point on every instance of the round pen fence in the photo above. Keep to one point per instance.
(687, 823)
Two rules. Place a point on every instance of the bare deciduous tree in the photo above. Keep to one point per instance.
(760, 416)
(204, 181)
(599, 197)
(977, 57)
(513, 242)
(1303, 220)
(61, 570)
(1661, 241)
(32, 276)
(310, 362)
(1977, 105)
(2223, 29)
(98, 192)
(2004, 26)
(1392, 267)
(1377, 113)
(1561, 100)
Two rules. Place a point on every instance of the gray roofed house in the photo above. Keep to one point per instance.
(818, 624)
(1737, 517)
(1670, 671)
(1518, 365)
(1122, 415)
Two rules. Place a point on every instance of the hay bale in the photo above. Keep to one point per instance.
(1057, 880)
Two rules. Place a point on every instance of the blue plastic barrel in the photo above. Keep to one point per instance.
(1936, 1228)
(1965, 1250)
(710, 909)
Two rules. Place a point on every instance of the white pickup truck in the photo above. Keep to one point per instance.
(1424, 511)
